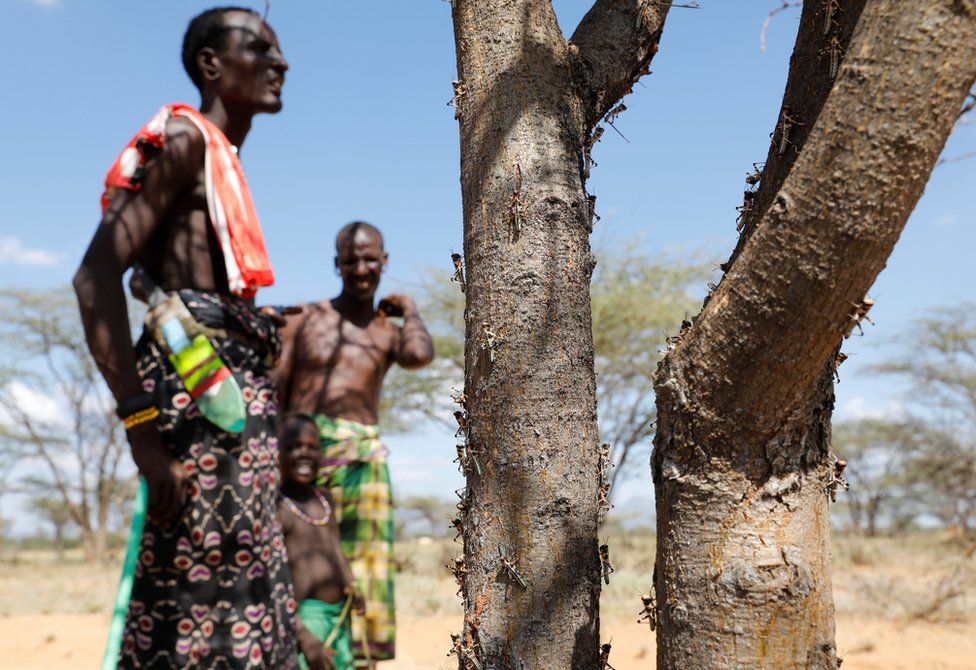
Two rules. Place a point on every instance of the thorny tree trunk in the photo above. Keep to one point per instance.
(742, 447)
(527, 101)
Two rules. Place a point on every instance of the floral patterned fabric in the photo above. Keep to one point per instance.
(215, 591)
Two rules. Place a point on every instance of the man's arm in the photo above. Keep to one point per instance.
(283, 370)
(125, 230)
(414, 347)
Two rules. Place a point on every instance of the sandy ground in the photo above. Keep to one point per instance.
(76, 641)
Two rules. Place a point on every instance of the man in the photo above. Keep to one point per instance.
(336, 353)
(211, 589)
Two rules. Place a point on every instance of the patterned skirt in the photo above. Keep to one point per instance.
(355, 471)
(214, 591)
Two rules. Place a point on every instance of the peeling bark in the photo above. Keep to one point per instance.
(742, 449)
(527, 100)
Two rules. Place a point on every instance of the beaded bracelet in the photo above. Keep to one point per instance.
(140, 417)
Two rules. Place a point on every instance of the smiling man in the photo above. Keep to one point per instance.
(211, 586)
(336, 353)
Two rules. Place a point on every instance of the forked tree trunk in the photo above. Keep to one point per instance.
(742, 449)
(527, 101)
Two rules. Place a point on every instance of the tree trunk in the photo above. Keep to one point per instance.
(742, 461)
(872, 512)
(59, 540)
(527, 100)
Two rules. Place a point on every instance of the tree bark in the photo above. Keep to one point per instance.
(527, 101)
(742, 448)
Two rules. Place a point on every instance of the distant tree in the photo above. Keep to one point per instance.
(636, 297)
(939, 365)
(10, 452)
(55, 408)
(877, 454)
(436, 512)
(413, 396)
(55, 512)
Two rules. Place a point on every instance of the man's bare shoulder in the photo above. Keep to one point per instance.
(317, 314)
(318, 310)
(185, 144)
(182, 129)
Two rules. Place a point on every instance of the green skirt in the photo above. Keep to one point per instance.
(325, 621)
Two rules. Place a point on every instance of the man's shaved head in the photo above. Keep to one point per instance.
(357, 229)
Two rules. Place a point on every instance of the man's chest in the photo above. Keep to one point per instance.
(333, 340)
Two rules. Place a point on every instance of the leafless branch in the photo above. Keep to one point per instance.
(786, 4)
(957, 158)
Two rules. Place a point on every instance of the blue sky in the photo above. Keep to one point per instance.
(366, 134)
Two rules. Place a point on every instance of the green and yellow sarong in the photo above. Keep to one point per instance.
(354, 469)
(329, 622)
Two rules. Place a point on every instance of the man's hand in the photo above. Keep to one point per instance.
(316, 654)
(397, 304)
(358, 600)
(277, 313)
(167, 481)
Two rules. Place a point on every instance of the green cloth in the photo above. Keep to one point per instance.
(321, 618)
(117, 626)
(355, 471)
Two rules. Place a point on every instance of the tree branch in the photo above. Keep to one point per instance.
(614, 45)
(785, 304)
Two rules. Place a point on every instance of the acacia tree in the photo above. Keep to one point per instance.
(637, 297)
(744, 399)
(742, 461)
(527, 101)
(940, 366)
(78, 445)
(879, 459)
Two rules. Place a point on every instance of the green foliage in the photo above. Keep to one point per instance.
(877, 452)
(939, 367)
(413, 396)
(637, 300)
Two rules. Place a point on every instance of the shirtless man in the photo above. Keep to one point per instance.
(211, 586)
(335, 356)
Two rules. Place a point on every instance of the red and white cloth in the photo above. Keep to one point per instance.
(229, 200)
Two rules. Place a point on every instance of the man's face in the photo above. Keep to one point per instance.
(252, 68)
(300, 453)
(360, 261)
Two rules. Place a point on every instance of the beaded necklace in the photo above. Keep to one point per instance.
(297, 511)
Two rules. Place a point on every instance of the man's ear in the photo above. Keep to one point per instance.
(336, 262)
(209, 64)
(386, 258)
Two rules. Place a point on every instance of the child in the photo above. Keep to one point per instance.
(323, 582)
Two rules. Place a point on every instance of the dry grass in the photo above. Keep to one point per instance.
(919, 576)
(922, 576)
(902, 603)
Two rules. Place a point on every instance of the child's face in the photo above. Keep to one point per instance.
(300, 453)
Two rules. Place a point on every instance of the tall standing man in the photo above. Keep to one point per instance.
(336, 354)
(212, 589)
